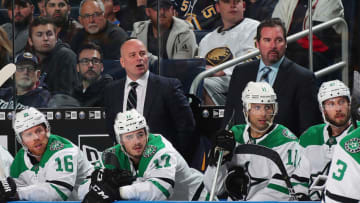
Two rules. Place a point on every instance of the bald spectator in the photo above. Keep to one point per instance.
(99, 30)
(58, 61)
(59, 11)
(23, 12)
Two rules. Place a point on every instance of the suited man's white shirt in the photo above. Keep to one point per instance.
(140, 92)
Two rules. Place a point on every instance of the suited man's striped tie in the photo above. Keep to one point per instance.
(132, 98)
(265, 76)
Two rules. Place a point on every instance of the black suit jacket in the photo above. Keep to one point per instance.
(166, 111)
(296, 95)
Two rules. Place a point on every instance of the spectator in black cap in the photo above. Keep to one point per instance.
(28, 92)
(112, 7)
(176, 36)
(23, 12)
(59, 11)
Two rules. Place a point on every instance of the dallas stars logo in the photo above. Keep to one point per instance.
(149, 151)
(353, 145)
(56, 145)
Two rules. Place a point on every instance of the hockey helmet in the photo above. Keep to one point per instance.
(258, 93)
(27, 119)
(332, 89)
(128, 121)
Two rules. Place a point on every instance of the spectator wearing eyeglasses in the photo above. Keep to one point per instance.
(58, 61)
(28, 92)
(59, 11)
(91, 90)
(99, 30)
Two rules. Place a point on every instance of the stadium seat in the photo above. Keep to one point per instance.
(199, 35)
(183, 69)
(4, 18)
(113, 68)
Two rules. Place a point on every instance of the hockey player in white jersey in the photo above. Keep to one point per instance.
(320, 140)
(47, 167)
(343, 181)
(161, 172)
(252, 177)
(6, 160)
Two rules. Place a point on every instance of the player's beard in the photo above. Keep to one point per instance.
(338, 124)
(60, 21)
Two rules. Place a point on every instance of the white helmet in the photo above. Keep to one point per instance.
(27, 119)
(128, 121)
(258, 93)
(332, 89)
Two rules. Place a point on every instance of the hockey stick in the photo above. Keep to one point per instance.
(221, 154)
(6, 72)
(355, 100)
(273, 156)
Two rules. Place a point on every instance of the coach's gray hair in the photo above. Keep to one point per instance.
(101, 4)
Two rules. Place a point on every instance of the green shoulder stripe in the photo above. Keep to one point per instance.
(18, 166)
(313, 136)
(278, 188)
(351, 144)
(279, 136)
(154, 145)
(55, 144)
(238, 131)
(161, 188)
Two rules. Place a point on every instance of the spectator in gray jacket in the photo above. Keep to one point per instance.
(176, 35)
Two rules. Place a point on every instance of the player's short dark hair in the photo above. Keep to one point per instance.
(40, 20)
(272, 22)
(91, 46)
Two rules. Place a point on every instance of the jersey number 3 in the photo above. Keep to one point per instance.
(67, 164)
(339, 174)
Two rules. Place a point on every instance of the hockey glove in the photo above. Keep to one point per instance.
(118, 177)
(223, 140)
(237, 183)
(8, 190)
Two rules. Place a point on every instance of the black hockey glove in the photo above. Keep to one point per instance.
(237, 183)
(8, 190)
(118, 177)
(223, 140)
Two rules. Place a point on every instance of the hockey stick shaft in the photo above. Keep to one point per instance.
(213, 186)
(6, 72)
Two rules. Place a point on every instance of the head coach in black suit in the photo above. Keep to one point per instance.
(294, 85)
(159, 99)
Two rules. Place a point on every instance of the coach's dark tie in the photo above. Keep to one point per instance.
(265, 76)
(132, 98)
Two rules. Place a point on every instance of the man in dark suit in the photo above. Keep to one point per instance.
(161, 100)
(293, 84)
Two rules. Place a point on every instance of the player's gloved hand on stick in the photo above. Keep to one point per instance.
(224, 140)
(105, 183)
(8, 190)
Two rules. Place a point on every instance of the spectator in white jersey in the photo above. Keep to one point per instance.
(320, 140)
(161, 172)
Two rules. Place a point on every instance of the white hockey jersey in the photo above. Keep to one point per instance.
(265, 184)
(6, 160)
(319, 149)
(343, 180)
(162, 174)
(56, 177)
(239, 39)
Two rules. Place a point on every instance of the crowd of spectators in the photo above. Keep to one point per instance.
(67, 54)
